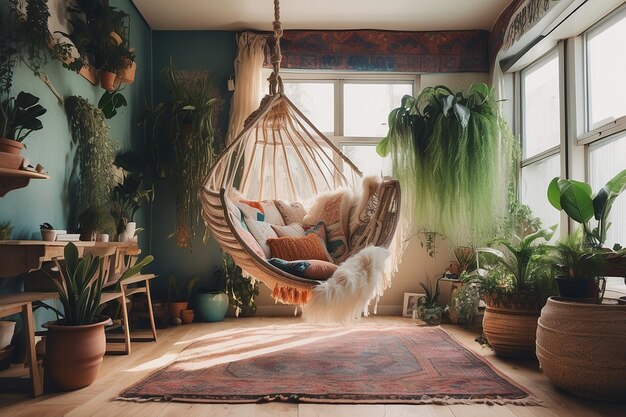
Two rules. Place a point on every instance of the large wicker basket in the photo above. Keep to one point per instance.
(581, 347)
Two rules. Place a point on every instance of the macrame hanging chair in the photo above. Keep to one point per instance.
(280, 154)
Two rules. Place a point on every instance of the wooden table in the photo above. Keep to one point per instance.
(21, 256)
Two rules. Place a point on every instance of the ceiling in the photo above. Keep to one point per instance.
(410, 15)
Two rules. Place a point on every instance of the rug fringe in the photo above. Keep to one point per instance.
(527, 402)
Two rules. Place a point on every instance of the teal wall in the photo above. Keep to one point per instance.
(212, 51)
(47, 200)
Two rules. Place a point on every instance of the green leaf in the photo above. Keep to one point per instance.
(382, 148)
(25, 100)
(576, 200)
(462, 114)
(554, 193)
(546, 234)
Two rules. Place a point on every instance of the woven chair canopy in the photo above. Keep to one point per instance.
(281, 155)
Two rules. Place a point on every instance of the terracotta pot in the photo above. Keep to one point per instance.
(74, 353)
(510, 325)
(10, 154)
(127, 75)
(176, 308)
(107, 80)
(186, 316)
(580, 347)
(115, 38)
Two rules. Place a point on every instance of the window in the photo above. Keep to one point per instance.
(541, 135)
(606, 69)
(352, 110)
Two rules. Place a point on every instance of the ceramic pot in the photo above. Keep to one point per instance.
(7, 328)
(127, 75)
(103, 237)
(74, 353)
(175, 308)
(186, 316)
(211, 306)
(585, 288)
(107, 80)
(48, 235)
(10, 154)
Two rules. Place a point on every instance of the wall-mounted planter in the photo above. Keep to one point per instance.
(107, 80)
(10, 154)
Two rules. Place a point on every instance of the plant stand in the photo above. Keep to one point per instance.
(12, 179)
(580, 347)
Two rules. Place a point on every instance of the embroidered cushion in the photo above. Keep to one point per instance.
(311, 268)
(319, 230)
(262, 232)
(249, 212)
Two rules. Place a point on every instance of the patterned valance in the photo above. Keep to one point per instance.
(375, 50)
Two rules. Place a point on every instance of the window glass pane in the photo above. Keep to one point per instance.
(606, 66)
(316, 101)
(605, 161)
(534, 188)
(366, 107)
(364, 156)
(540, 107)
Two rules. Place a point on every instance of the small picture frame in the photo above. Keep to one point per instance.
(410, 303)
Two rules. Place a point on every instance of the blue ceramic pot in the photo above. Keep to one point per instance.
(211, 306)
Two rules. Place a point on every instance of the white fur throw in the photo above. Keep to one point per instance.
(347, 294)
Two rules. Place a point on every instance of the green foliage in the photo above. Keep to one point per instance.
(431, 299)
(19, 116)
(129, 193)
(465, 256)
(241, 290)
(5, 230)
(80, 286)
(110, 102)
(465, 301)
(452, 154)
(573, 259)
(519, 220)
(96, 155)
(520, 267)
(177, 292)
(182, 136)
(575, 198)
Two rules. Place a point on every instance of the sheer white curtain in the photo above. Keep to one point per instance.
(249, 81)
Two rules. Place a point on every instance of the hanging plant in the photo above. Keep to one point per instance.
(453, 155)
(96, 155)
(182, 138)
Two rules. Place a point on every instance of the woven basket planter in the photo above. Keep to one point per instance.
(581, 348)
(510, 325)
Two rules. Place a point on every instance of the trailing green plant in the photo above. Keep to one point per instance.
(581, 205)
(182, 137)
(5, 230)
(241, 290)
(130, 191)
(80, 286)
(521, 267)
(452, 154)
(96, 155)
(177, 291)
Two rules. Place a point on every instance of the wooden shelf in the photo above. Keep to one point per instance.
(12, 179)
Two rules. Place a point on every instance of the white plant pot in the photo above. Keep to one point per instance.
(103, 237)
(48, 235)
(7, 328)
(131, 228)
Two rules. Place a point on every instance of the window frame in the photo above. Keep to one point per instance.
(339, 79)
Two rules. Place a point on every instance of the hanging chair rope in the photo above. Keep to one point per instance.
(276, 83)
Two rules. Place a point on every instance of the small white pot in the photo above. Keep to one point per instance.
(103, 237)
(131, 228)
(48, 235)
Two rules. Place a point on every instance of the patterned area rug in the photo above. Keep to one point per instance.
(301, 363)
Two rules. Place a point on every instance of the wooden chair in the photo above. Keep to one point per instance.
(116, 289)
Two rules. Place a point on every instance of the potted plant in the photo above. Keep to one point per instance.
(179, 295)
(211, 301)
(5, 230)
(75, 344)
(428, 306)
(463, 304)
(516, 283)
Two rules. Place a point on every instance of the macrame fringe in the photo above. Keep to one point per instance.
(289, 295)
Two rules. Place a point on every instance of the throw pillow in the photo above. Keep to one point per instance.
(272, 215)
(235, 214)
(319, 230)
(249, 240)
(293, 229)
(311, 268)
(296, 248)
(291, 212)
(262, 232)
(249, 212)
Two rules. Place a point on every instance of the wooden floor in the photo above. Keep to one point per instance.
(119, 372)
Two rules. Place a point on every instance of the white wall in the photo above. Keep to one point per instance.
(415, 265)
